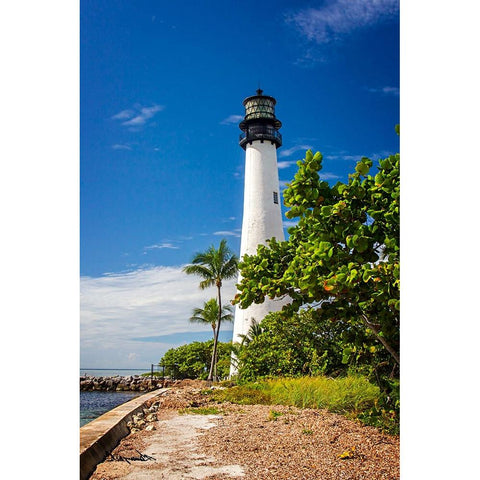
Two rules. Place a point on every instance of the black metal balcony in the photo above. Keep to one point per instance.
(262, 133)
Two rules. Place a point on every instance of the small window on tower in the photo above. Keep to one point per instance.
(275, 197)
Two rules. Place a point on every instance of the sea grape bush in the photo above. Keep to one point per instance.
(343, 254)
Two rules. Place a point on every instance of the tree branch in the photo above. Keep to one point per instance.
(375, 330)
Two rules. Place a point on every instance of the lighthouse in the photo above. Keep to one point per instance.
(262, 215)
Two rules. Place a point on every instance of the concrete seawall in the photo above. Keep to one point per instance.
(99, 437)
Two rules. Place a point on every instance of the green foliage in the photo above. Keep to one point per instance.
(385, 414)
(292, 345)
(193, 360)
(344, 254)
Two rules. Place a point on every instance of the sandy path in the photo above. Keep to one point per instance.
(174, 446)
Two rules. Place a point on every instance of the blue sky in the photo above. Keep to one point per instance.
(161, 172)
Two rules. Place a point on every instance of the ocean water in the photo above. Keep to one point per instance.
(96, 403)
(93, 404)
(106, 372)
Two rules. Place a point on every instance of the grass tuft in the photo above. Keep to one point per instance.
(199, 411)
(273, 415)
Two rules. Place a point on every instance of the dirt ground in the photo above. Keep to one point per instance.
(250, 442)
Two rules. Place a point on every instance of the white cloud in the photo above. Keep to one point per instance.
(328, 176)
(231, 119)
(226, 233)
(161, 245)
(290, 151)
(150, 302)
(137, 116)
(341, 156)
(386, 90)
(118, 146)
(286, 163)
(337, 18)
(123, 115)
(356, 158)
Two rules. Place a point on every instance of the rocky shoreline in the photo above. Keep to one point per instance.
(117, 383)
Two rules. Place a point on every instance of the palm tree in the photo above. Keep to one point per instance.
(214, 266)
(254, 331)
(209, 314)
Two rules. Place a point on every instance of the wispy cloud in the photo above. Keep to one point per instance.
(290, 151)
(231, 119)
(328, 176)
(344, 156)
(161, 245)
(228, 233)
(117, 308)
(123, 115)
(119, 146)
(286, 163)
(138, 115)
(229, 219)
(338, 18)
(395, 91)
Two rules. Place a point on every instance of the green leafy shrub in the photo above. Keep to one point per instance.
(385, 414)
(292, 344)
(193, 360)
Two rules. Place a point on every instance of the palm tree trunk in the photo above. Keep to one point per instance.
(215, 341)
(212, 362)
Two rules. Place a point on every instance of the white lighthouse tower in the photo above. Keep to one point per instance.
(262, 216)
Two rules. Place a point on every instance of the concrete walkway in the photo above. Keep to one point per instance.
(99, 437)
(173, 452)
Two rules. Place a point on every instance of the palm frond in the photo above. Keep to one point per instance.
(230, 268)
(208, 282)
(200, 270)
(209, 313)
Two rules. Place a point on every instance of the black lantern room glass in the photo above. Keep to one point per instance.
(259, 107)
